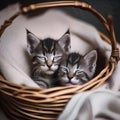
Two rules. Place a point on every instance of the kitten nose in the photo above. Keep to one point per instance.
(49, 63)
(70, 75)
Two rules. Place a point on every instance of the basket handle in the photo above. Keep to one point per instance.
(108, 24)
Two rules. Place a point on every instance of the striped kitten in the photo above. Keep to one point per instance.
(77, 69)
(46, 56)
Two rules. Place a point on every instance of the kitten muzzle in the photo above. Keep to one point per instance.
(50, 72)
(70, 75)
(49, 63)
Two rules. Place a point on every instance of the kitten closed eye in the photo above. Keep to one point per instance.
(56, 58)
(64, 69)
(78, 72)
(41, 58)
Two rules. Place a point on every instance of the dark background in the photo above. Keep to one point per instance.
(105, 7)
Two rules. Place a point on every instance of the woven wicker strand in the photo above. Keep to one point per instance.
(22, 102)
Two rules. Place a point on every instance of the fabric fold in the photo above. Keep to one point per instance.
(93, 105)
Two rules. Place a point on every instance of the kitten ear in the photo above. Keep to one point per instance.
(32, 41)
(64, 41)
(91, 60)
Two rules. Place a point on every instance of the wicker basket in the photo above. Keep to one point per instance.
(28, 103)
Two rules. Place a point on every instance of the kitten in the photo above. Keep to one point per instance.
(77, 69)
(46, 56)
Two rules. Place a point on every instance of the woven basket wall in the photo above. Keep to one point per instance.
(28, 103)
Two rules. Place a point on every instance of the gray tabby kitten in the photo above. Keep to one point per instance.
(77, 69)
(46, 56)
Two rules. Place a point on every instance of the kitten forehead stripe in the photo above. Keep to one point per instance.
(74, 58)
(49, 45)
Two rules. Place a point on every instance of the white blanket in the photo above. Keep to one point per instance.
(93, 105)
